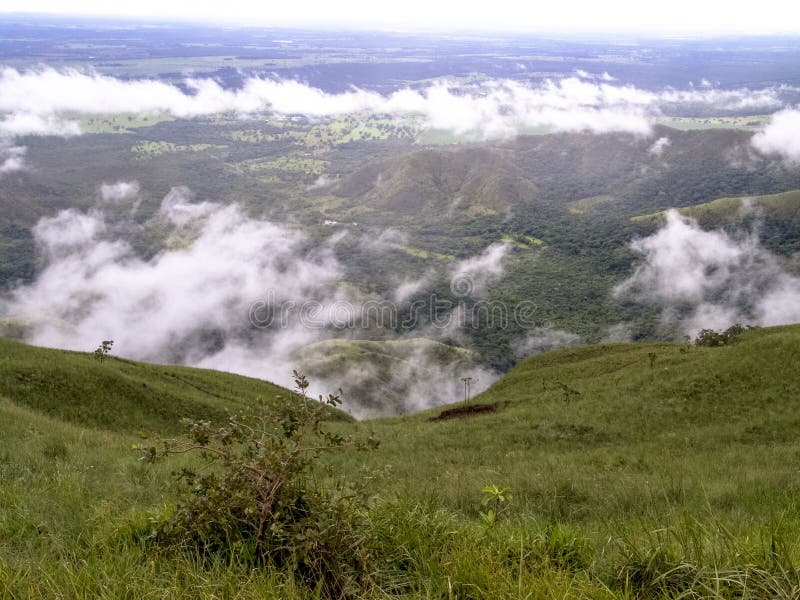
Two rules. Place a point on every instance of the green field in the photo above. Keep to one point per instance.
(746, 123)
(636, 471)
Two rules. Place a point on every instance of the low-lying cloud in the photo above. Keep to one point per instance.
(658, 147)
(196, 301)
(472, 276)
(544, 339)
(36, 102)
(119, 191)
(711, 279)
(781, 136)
(12, 158)
(95, 287)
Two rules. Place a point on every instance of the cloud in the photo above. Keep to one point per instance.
(27, 123)
(711, 279)
(227, 292)
(781, 135)
(544, 339)
(177, 207)
(620, 332)
(12, 158)
(36, 100)
(388, 238)
(182, 305)
(408, 288)
(658, 146)
(117, 192)
(724, 99)
(472, 276)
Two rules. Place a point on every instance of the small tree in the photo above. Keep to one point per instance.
(103, 350)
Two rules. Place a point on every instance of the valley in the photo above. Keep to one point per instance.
(291, 311)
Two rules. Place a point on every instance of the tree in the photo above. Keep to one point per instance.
(103, 350)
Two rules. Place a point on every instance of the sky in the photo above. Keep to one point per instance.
(687, 17)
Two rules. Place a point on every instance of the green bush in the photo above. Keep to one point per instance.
(257, 500)
(709, 337)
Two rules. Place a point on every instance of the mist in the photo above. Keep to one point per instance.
(36, 101)
(12, 158)
(781, 136)
(226, 291)
(710, 279)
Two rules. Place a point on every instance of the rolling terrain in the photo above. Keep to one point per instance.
(620, 458)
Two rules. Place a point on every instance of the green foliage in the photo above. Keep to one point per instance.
(103, 350)
(494, 501)
(257, 497)
(710, 337)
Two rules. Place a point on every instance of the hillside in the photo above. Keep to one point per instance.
(708, 427)
(121, 395)
(636, 470)
(550, 171)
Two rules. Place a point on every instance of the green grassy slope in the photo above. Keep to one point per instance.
(118, 394)
(704, 427)
(785, 206)
(644, 482)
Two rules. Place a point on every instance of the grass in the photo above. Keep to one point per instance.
(746, 123)
(636, 439)
(120, 395)
(117, 123)
(147, 150)
(784, 206)
(672, 481)
(293, 163)
(587, 206)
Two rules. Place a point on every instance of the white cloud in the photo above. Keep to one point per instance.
(28, 123)
(711, 279)
(386, 239)
(472, 276)
(119, 191)
(235, 293)
(36, 101)
(727, 99)
(408, 288)
(658, 146)
(96, 288)
(12, 158)
(781, 135)
(544, 339)
(177, 207)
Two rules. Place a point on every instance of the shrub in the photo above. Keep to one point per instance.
(257, 499)
(709, 337)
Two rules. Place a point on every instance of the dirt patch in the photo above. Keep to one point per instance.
(461, 412)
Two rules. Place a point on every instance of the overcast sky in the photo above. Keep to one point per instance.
(610, 16)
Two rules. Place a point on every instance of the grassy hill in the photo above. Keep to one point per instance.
(121, 395)
(785, 206)
(637, 470)
(708, 427)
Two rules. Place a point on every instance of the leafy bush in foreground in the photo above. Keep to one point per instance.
(258, 500)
